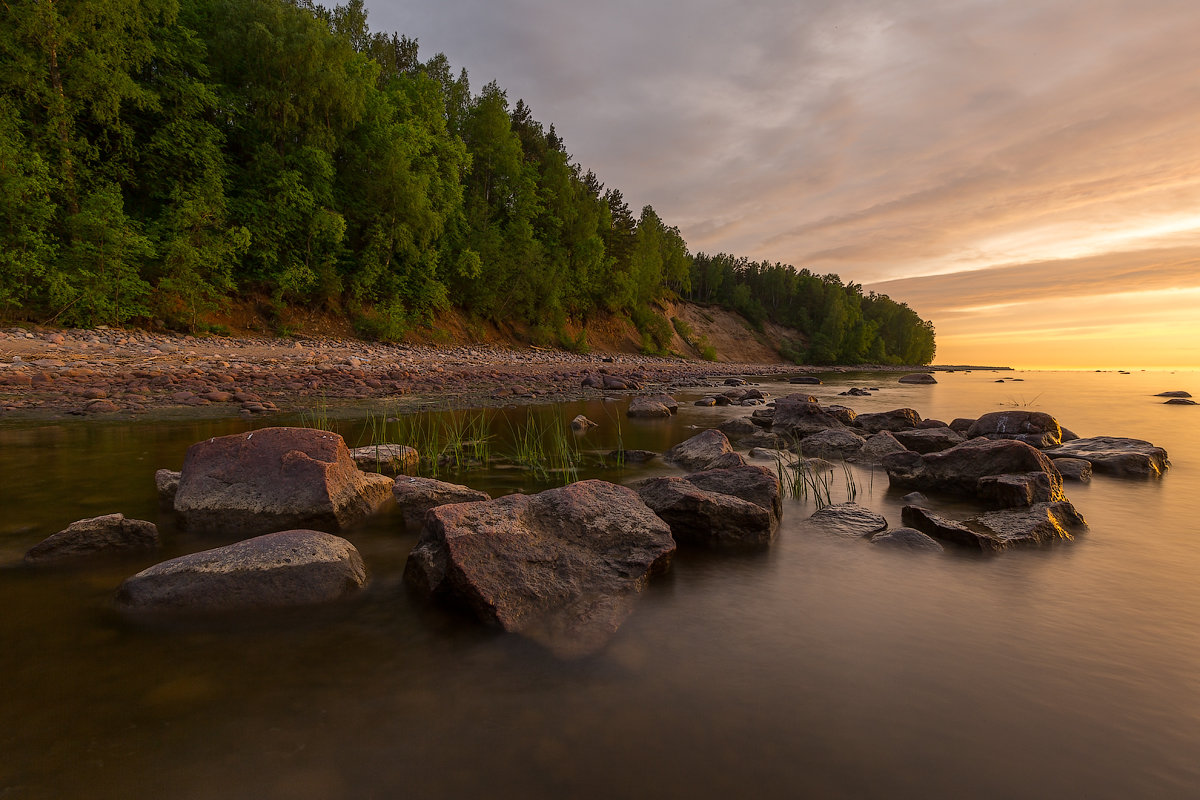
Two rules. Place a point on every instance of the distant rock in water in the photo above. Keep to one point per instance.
(805, 380)
(278, 570)
(1177, 393)
(1180, 401)
(918, 377)
(110, 534)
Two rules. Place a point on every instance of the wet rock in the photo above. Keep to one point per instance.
(388, 459)
(647, 408)
(931, 423)
(613, 383)
(855, 392)
(707, 402)
(110, 534)
(166, 482)
(1180, 401)
(1177, 393)
(100, 407)
(738, 427)
(798, 415)
(838, 444)
(876, 448)
(1074, 469)
(907, 539)
(1040, 524)
(897, 419)
(916, 499)
(947, 530)
(727, 461)
(805, 380)
(274, 478)
(562, 567)
(1032, 427)
(848, 519)
(1069, 435)
(763, 417)
(960, 468)
(844, 415)
(735, 382)
(769, 454)
(278, 570)
(755, 484)
(707, 518)
(961, 424)
(699, 451)
(763, 439)
(1009, 491)
(633, 456)
(582, 424)
(929, 440)
(416, 495)
(918, 377)
(1114, 455)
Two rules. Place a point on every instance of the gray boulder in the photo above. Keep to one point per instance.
(727, 461)
(995, 531)
(1074, 469)
(387, 459)
(799, 415)
(838, 444)
(416, 495)
(1032, 427)
(1012, 490)
(755, 484)
(562, 567)
(647, 408)
(848, 519)
(1176, 393)
(929, 440)
(706, 518)
(898, 419)
(961, 425)
(947, 530)
(960, 468)
(738, 427)
(111, 534)
(1113, 455)
(907, 539)
(918, 377)
(1180, 401)
(274, 478)
(763, 439)
(278, 570)
(166, 483)
(876, 448)
(699, 451)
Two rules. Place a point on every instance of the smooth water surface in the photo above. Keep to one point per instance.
(822, 667)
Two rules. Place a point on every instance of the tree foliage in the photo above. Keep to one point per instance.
(159, 157)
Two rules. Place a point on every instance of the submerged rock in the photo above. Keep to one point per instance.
(1180, 401)
(1116, 456)
(581, 424)
(1039, 524)
(111, 534)
(918, 377)
(278, 570)
(562, 567)
(1176, 393)
(907, 539)
(848, 519)
(274, 478)
(699, 451)
(416, 495)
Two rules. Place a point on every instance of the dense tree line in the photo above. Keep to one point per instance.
(158, 157)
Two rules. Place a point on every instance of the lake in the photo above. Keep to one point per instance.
(822, 667)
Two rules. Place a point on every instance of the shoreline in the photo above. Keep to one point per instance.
(112, 373)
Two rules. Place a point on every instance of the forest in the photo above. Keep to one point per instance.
(161, 157)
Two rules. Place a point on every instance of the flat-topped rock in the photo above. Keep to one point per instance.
(707, 518)
(416, 495)
(929, 440)
(1176, 393)
(277, 570)
(1114, 455)
(1032, 427)
(562, 567)
(833, 443)
(753, 483)
(647, 408)
(1039, 524)
(1074, 469)
(960, 468)
(272, 479)
(876, 448)
(799, 415)
(111, 534)
(898, 419)
(907, 539)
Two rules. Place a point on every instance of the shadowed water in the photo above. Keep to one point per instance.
(822, 667)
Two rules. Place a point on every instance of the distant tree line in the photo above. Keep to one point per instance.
(159, 157)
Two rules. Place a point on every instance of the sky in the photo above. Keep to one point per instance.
(1026, 174)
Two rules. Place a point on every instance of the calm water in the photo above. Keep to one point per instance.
(823, 667)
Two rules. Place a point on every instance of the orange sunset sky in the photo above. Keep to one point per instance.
(1025, 174)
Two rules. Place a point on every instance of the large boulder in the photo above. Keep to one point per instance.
(562, 567)
(1116, 456)
(929, 440)
(739, 427)
(699, 451)
(839, 444)
(994, 531)
(1032, 427)
(388, 459)
(876, 448)
(416, 495)
(111, 534)
(947, 530)
(278, 570)
(960, 468)
(274, 478)
(848, 519)
(898, 419)
(756, 484)
(800, 416)
(707, 518)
